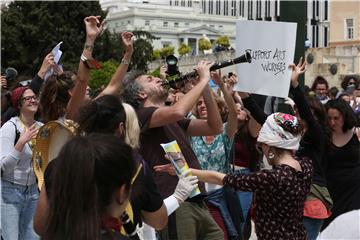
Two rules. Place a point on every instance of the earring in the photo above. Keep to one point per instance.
(271, 155)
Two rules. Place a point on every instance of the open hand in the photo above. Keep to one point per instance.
(297, 70)
(28, 134)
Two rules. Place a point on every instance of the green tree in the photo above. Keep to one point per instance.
(101, 77)
(166, 51)
(184, 49)
(223, 41)
(204, 44)
(157, 54)
(143, 50)
(29, 30)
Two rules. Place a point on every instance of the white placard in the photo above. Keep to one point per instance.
(272, 48)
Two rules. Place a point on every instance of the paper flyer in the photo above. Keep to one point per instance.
(177, 159)
(56, 52)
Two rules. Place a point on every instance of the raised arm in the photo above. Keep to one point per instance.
(93, 28)
(314, 128)
(116, 81)
(38, 79)
(213, 124)
(177, 111)
(227, 92)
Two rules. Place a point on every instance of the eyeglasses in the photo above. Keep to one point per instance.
(29, 98)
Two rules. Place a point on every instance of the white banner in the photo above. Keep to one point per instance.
(272, 48)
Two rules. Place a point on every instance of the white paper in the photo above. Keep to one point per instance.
(272, 48)
(56, 52)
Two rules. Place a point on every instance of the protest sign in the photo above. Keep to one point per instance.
(271, 46)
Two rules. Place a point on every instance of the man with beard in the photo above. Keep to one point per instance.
(163, 124)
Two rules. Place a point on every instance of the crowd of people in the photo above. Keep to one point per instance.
(292, 171)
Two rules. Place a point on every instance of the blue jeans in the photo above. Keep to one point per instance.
(18, 205)
(216, 198)
(312, 227)
(245, 198)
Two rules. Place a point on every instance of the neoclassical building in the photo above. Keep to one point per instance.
(173, 25)
(177, 21)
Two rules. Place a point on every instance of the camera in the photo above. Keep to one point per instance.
(10, 74)
(172, 68)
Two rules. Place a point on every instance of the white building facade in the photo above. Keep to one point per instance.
(186, 21)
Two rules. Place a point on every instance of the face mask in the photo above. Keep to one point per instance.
(350, 88)
(321, 97)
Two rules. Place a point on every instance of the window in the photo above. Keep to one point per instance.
(165, 24)
(128, 22)
(176, 24)
(349, 28)
(187, 24)
(226, 7)
(211, 6)
(233, 8)
(217, 7)
(147, 22)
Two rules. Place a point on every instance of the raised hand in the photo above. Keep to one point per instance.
(163, 70)
(216, 76)
(203, 69)
(232, 81)
(93, 27)
(128, 41)
(47, 63)
(297, 70)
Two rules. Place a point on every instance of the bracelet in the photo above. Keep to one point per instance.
(88, 47)
(125, 61)
(90, 63)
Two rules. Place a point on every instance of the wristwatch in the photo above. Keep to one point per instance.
(90, 63)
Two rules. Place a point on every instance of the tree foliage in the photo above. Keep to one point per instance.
(184, 49)
(166, 51)
(204, 44)
(101, 77)
(157, 54)
(223, 41)
(29, 30)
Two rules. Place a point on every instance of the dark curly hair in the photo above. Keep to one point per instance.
(346, 111)
(319, 80)
(346, 80)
